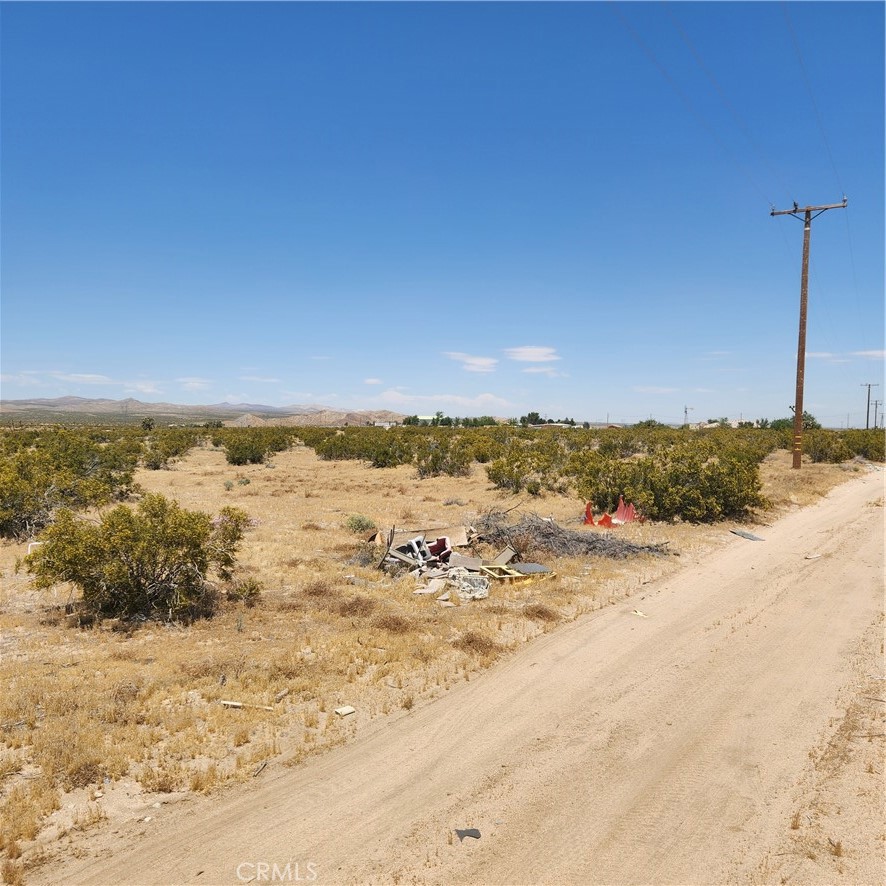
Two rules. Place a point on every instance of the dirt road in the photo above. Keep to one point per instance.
(667, 747)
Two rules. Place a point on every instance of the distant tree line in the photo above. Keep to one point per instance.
(444, 421)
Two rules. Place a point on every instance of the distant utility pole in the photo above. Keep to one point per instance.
(804, 289)
(686, 411)
(867, 415)
(876, 404)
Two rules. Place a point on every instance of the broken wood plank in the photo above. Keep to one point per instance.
(242, 704)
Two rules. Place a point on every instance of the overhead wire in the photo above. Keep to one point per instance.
(700, 118)
(824, 137)
(737, 119)
(742, 126)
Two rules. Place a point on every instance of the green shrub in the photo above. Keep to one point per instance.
(245, 450)
(684, 481)
(169, 443)
(357, 523)
(442, 454)
(151, 561)
(43, 472)
(246, 590)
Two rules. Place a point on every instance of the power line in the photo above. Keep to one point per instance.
(824, 137)
(736, 117)
(700, 118)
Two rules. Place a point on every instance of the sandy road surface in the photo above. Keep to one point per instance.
(619, 749)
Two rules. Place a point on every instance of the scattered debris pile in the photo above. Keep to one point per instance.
(428, 555)
(543, 534)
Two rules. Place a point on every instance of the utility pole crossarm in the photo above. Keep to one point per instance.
(805, 209)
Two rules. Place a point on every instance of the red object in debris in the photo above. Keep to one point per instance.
(441, 548)
(589, 514)
(605, 521)
(620, 510)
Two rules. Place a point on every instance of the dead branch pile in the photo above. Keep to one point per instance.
(536, 533)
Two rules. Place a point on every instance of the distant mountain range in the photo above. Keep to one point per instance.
(42, 409)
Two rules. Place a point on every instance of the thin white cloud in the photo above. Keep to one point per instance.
(532, 354)
(651, 389)
(486, 401)
(703, 391)
(261, 379)
(372, 381)
(84, 378)
(138, 386)
(194, 383)
(828, 357)
(871, 355)
(25, 379)
(307, 396)
(471, 363)
(141, 387)
(545, 370)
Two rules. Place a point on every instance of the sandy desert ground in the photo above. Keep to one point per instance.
(712, 718)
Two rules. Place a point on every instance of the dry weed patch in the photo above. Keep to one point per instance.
(541, 612)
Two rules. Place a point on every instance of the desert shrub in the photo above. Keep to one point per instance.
(390, 453)
(826, 446)
(484, 447)
(337, 447)
(244, 446)
(311, 436)
(151, 561)
(442, 454)
(507, 472)
(357, 523)
(870, 444)
(169, 443)
(683, 481)
(245, 450)
(245, 590)
(58, 468)
(533, 464)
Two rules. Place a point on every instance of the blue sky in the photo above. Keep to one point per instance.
(479, 208)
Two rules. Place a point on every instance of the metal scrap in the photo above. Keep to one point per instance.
(748, 535)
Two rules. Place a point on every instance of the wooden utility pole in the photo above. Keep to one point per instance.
(804, 289)
(876, 404)
(867, 415)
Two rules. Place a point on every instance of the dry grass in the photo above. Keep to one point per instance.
(786, 488)
(477, 643)
(97, 705)
(541, 612)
